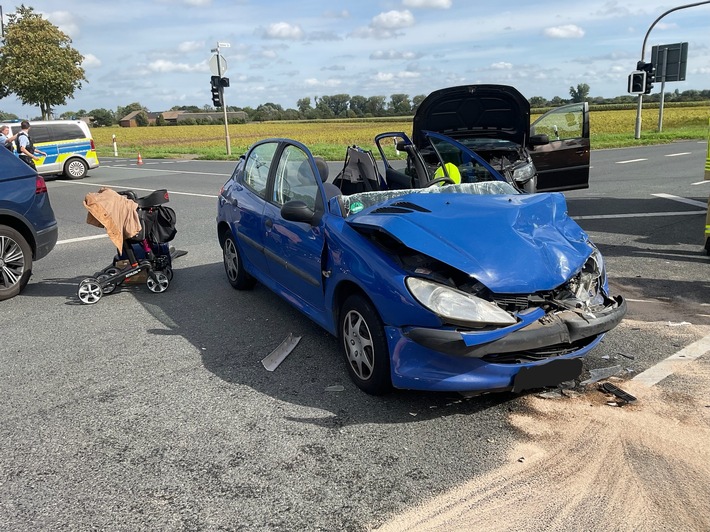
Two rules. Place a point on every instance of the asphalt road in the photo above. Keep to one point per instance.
(153, 411)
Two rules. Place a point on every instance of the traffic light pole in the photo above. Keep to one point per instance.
(224, 106)
(643, 53)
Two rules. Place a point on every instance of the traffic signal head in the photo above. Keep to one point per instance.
(650, 76)
(224, 82)
(637, 82)
(216, 96)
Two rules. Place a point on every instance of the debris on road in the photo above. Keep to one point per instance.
(335, 388)
(632, 357)
(273, 359)
(596, 375)
(612, 389)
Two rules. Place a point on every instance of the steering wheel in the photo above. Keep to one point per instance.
(444, 179)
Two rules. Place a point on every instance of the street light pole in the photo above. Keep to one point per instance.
(643, 53)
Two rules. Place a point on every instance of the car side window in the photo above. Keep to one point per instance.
(295, 179)
(561, 124)
(256, 169)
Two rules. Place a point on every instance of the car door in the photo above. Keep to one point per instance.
(563, 163)
(293, 250)
(247, 201)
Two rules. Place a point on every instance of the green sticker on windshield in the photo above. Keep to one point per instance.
(356, 206)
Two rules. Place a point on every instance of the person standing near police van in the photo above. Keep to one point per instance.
(6, 138)
(25, 147)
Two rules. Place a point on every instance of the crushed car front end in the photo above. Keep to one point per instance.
(511, 290)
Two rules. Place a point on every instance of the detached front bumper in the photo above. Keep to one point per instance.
(535, 330)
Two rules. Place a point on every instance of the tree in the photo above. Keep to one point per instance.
(142, 119)
(304, 105)
(38, 64)
(400, 105)
(417, 101)
(122, 112)
(7, 116)
(537, 101)
(375, 106)
(580, 94)
(357, 105)
(102, 117)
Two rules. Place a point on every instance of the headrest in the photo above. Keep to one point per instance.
(322, 168)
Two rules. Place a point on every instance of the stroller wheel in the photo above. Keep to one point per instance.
(108, 288)
(169, 273)
(157, 282)
(89, 291)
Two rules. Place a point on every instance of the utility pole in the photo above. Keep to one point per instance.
(637, 134)
(219, 67)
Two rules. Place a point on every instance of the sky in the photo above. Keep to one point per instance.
(157, 52)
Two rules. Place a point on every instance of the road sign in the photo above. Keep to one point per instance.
(218, 65)
(676, 60)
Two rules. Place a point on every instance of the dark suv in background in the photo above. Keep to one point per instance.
(28, 228)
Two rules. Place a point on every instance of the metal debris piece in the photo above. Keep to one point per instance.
(273, 359)
(551, 394)
(608, 387)
(678, 324)
(595, 375)
(606, 357)
(632, 357)
(335, 388)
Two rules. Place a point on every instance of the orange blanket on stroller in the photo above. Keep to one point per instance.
(116, 213)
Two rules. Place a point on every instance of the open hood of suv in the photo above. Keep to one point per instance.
(474, 111)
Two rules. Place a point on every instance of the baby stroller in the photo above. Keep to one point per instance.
(145, 256)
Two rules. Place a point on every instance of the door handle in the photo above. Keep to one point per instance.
(269, 223)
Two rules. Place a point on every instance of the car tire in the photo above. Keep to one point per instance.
(15, 262)
(233, 266)
(75, 168)
(362, 336)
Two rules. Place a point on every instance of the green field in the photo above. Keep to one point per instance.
(329, 138)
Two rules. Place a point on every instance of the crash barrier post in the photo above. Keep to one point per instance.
(115, 147)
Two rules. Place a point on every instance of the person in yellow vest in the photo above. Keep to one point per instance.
(452, 171)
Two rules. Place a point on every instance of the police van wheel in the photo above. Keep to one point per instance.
(75, 169)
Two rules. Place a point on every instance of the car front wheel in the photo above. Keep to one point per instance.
(75, 169)
(365, 346)
(236, 275)
(15, 262)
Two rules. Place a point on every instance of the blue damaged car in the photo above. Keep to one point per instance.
(462, 283)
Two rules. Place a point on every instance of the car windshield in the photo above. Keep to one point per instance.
(356, 203)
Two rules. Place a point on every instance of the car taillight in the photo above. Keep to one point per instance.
(40, 185)
(93, 146)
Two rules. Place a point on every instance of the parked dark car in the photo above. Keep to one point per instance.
(28, 228)
(494, 121)
(472, 286)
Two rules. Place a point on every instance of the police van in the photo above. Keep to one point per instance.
(68, 144)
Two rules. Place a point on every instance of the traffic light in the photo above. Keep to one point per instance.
(224, 82)
(216, 91)
(637, 82)
(650, 76)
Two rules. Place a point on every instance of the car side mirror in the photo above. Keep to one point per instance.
(400, 145)
(539, 140)
(297, 211)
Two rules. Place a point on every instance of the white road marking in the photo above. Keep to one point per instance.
(144, 189)
(80, 239)
(642, 301)
(687, 201)
(631, 161)
(664, 368)
(704, 182)
(636, 215)
(171, 171)
(677, 154)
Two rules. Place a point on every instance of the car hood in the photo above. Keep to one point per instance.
(517, 244)
(487, 111)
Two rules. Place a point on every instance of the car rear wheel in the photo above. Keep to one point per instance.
(236, 275)
(365, 346)
(75, 168)
(15, 262)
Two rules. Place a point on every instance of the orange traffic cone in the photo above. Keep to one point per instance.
(140, 160)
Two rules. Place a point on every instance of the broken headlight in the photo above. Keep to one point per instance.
(585, 290)
(457, 307)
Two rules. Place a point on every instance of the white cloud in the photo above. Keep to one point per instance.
(434, 4)
(393, 20)
(91, 61)
(191, 46)
(502, 65)
(163, 66)
(337, 14)
(391, 76)
(283, 30)
(328, 83)
(394, 55)
(65, 21)
(566, 31)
